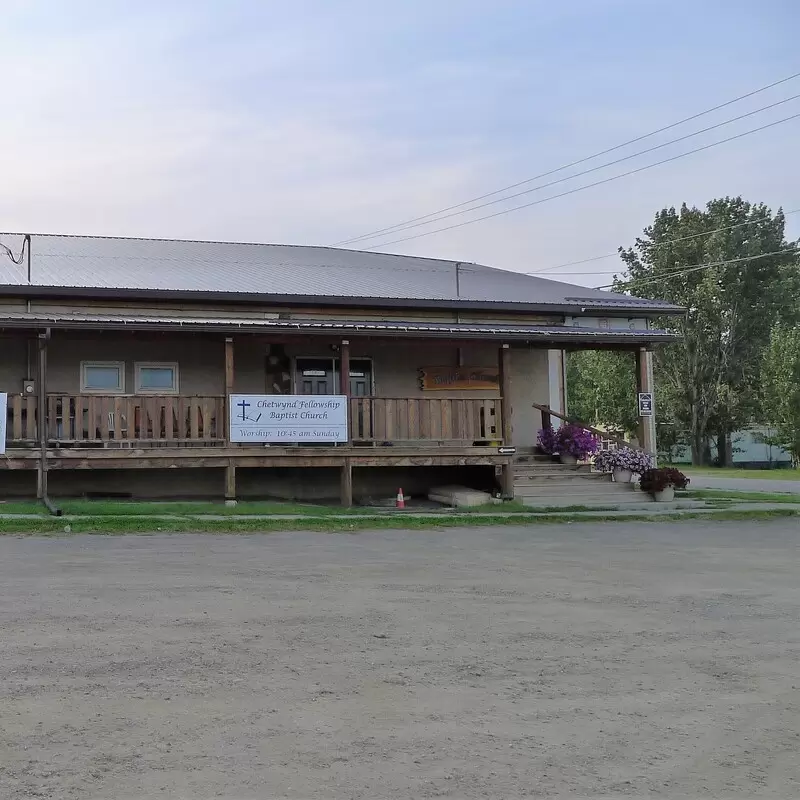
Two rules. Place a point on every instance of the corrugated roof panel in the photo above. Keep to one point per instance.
(269, 269)
(142, 321)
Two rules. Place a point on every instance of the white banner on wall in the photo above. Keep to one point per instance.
(288, 418)
(3, 418)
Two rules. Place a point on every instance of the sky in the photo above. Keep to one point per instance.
(313, 121)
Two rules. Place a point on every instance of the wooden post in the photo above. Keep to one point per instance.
(230, 483)
(644, 383)
(344, 381)
(230, 469)
(41, 474)
(505, 417)
(347, 483)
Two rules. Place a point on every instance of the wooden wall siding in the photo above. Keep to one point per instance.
(103, 419)
(436, 419)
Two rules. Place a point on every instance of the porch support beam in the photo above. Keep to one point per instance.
(230, 469)
(230, 483)
(41, 419)
(344, 381)
(507, 478)
(347, 483)
(644, 383)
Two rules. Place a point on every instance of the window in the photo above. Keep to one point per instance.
(157, 378)
(103, 376)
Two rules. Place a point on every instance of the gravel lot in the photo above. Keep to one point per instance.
(566, 661)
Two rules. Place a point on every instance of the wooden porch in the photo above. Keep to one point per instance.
(144, 422)
(84, 432)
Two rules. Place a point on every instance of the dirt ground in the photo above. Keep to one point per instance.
(567, 661)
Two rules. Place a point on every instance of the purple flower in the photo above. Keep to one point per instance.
(569, 439)
(636, 461)
(548, 441)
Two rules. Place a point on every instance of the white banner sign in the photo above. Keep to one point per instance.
(289, 418)
(3, 418)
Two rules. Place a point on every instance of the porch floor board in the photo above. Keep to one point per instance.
(238, 456)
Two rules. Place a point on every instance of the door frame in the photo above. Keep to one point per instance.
(334, 359)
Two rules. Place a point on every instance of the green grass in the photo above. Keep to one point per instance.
(128, 508)
(732, 496)
(51, 526)
(732, 472)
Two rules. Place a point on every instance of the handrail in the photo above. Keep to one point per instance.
(574, 421)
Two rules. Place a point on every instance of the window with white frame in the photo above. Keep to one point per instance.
(156, 378)
(103, 376)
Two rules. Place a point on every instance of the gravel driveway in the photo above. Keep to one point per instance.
(571, 661)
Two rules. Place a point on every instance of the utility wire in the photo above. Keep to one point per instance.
(16, 259)
(693, 268)
(601, 166)
(588, 185)
(576, 163)
(654, 246)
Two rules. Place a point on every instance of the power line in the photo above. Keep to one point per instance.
(16, 259)
(576, 163)
(659, 244)
(588, 185)
(694, 268)
(601, 166)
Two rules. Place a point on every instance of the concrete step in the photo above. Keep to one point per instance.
(562, 476)
(634, 500)
(608, 490)
(551, 465)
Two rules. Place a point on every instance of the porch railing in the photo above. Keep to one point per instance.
(80, 420)
(150, 421)
(380, 420)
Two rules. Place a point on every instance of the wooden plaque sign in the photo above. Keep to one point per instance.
(454, 379)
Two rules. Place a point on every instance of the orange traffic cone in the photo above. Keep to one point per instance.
(401, 501)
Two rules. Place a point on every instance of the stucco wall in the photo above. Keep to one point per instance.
(529, 384)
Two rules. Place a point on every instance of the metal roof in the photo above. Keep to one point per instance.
(560, 333)
(287, 271)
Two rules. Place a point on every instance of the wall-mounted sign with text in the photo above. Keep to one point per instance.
(291, 419)
(433, 379)
(645, 404)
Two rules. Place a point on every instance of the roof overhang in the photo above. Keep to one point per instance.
(556, 334)
(576, 307)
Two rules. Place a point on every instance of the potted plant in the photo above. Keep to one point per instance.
(570, 442)
(547, 441)
(662, 483)
(623, 463)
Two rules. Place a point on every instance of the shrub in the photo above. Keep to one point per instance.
(637, 461)
(656, 480)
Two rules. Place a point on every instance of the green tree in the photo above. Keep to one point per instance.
(601, 388)
(731, 267)
(781, 394)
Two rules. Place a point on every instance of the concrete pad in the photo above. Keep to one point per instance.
(459, 496)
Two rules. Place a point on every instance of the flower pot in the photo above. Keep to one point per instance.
(665, 495)
(622, 475)
(568, 458)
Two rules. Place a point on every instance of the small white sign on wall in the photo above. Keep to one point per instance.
(288, 418)
(3, 418)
